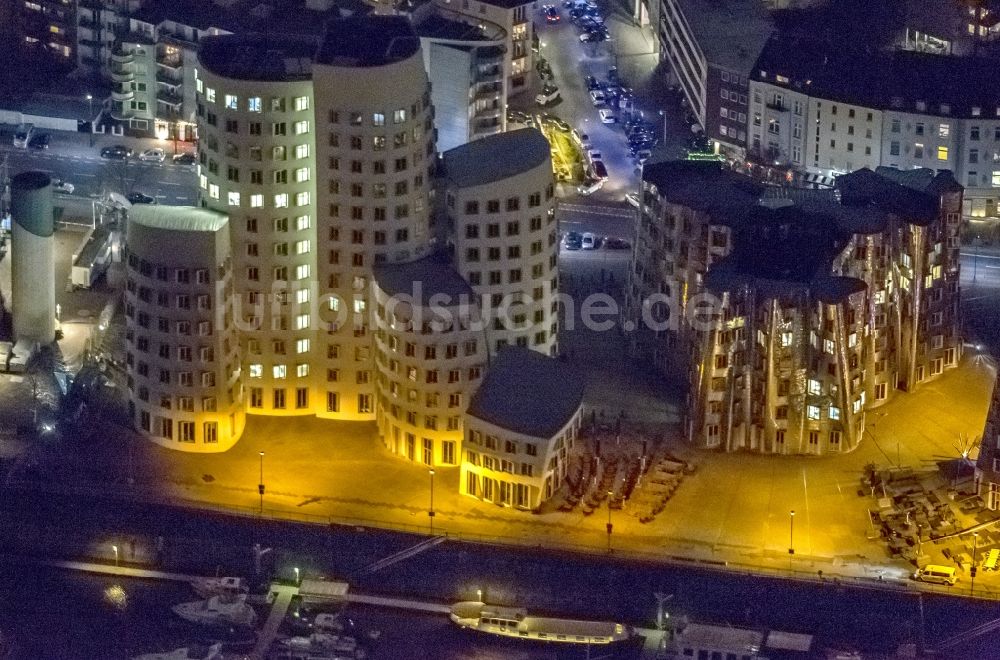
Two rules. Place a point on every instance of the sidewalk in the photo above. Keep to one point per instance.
(733, 512)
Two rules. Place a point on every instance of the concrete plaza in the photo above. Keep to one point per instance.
(735, 508)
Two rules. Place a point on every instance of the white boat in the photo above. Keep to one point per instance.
(323, 645)
(220, 586)
(194, 652)
(218, 611)
(515, 622)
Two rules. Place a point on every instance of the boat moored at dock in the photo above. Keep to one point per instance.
(517, 623)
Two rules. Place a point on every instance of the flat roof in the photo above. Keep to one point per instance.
(895, 80)
(431, 276)
(436, 26)
(263, 57)
(527, 392)
(701, 635)
(786, 641)
(703, 185)
(731, 33)
(177, 218)
(363, 41)
(495, 157)
(886, 191)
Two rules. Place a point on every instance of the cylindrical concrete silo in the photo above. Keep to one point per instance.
(33, 295)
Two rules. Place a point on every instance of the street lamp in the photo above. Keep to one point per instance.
(297, 576)
(430, 512)
(663, 114)
(260, 484)
(791, 535)
(90, 117)
(611, 495)
(115, 548)
(972, 572)
(479, 595)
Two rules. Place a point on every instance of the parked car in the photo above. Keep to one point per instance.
(597, 97)
(633, 200)
(116, 152)
(584, 140)
(137, 197)
(152, 155)
(617, 244)
(607, 116)
(40, 141)
(642, 155)
(573, 241)
(591, 83)
(589, 187)
(64, 187)
(594, 155)
(552, 15)
(600, 171)
(549, 94)
(589, 241)
(184, 159)
(613, 75)
(591, 38)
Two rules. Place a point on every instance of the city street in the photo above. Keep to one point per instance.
(631, 50)
(71, 158)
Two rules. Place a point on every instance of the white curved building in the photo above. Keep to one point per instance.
(184, 377)
(501, 210)
(374, 151)
(257, 163)
(430, 353)
(519, 429)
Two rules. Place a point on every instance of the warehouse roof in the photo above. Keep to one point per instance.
(529, 393)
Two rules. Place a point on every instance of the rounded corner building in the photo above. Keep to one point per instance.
(183, 363)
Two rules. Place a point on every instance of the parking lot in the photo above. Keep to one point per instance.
(578, 68)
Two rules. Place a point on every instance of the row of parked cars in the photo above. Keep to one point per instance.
(155, 155)
(588, 241)
(587, 17)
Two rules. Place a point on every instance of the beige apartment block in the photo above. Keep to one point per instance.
(501, 209)
(184, 376)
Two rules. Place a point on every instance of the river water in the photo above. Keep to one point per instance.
(62, 615)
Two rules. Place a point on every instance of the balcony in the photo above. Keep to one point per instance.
(169, 60)
(119, 56)
(118, 76)
(122, 95)
(167, 79)
(777, 106)
(489, 113)
(493, 55)
(487, 92)
(169, 98)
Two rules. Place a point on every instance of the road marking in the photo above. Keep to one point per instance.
(979, 256)
(181, 199)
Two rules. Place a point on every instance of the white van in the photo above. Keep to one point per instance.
(936, 574)
(549, 94)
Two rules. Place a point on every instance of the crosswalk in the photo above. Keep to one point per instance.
(598, 209)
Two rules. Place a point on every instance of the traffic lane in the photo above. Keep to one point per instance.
(168, 182)
(615, 221)
(571, 63)
(588, 586)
